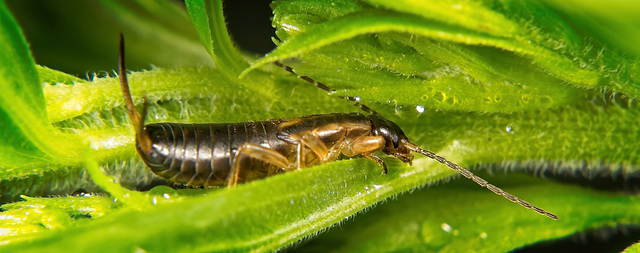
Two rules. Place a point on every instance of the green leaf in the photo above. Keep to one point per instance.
(427, 221)
(633, 248)
(264, 223)
(51, 76)
(209, 21)
(480, 61)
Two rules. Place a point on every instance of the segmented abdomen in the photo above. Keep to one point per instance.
(201, 154)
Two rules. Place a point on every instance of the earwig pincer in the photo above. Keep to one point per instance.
(231, 153)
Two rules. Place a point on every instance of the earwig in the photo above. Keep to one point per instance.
(230, 153)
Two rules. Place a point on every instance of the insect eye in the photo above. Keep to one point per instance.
(396, 142)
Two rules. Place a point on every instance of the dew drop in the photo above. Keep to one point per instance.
(420, 108)
(509, 129)
(166, 196)
(446, 227)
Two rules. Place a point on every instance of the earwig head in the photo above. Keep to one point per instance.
(394, 137)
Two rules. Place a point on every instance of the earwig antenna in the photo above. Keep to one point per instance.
(143, 140)
(326, 88)
(478, 180)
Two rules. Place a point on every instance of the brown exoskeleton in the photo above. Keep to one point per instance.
(230, 153)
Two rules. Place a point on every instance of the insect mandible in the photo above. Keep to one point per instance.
(230, 153)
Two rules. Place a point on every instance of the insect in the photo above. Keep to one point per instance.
(230, 153)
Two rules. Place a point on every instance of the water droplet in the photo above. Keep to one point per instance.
(434, 237)
(509, 129)
(544, 100)
(446, 227)
(420, 108)
(154, 201)
(483, 235)
(450, 100)
(166, 196)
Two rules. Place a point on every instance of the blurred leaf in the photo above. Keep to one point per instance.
(81, 37)
(614, 22)
(27, 137)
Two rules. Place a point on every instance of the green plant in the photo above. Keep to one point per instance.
(511, 84)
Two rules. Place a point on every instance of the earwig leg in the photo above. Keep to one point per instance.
(367, 144)
(300, 157)
(256, 152)
(315, 144)
(378, 160)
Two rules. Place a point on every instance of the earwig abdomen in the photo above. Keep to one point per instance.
(202, 154)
